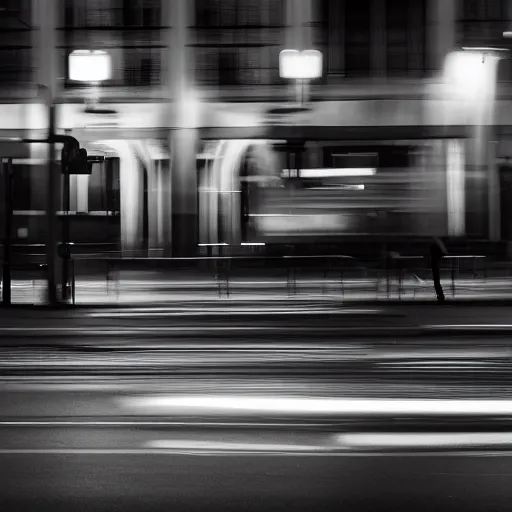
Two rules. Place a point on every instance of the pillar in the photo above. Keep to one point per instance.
(131, 197)
(155, 192)
(293, 38)
(184, 192)
(482, 180)
(131, 185)
(455, 187)
(441, 33)
(378, 38)
(46, 65)
(184, 135)
(299, 18)
(336, 49)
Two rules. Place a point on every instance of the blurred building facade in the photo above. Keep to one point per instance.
(189, 75)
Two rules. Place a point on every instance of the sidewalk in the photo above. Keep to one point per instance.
(155, 291)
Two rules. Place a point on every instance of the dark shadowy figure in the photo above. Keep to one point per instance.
(437, 251)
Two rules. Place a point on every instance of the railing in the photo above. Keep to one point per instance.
(43, 269)
(222, 271)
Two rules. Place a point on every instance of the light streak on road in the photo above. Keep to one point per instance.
(316, 406)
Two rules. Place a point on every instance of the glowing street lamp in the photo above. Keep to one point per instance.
(473, 71)
(89, 66)
(300, 66)
(93, 67)
(304, 65)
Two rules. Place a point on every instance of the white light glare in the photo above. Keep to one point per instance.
(330, 173)
(472, 72)
(297, 65)
(169, 404)
(90, 66)
(425, 440)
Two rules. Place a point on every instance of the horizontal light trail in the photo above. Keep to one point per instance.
(173, 444)
(140, 423)
(330, 172)
(222, 311)
(218, 453)
(164, 309)
(425, 440)
(86, 332)
(468, 326)
(320, 406)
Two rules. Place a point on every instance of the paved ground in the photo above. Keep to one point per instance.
(296, 405)
(141, 479)
(122, 449)
(155, 290)
(284, 318)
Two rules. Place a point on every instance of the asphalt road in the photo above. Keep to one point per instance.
(120, 480)
(277, 319)
(333, 409)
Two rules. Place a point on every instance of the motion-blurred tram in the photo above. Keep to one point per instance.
(310, 191)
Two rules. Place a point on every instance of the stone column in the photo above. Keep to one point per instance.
(293, 24)
(441, 32)
(482, 183)
(46, 65)
(378, 38)
(184, 135)
(455, 187)
(131, 197)
(336, 47)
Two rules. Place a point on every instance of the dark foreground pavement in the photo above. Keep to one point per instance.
(276, 441)
(317, 408)
(284, 319)
(131, 466)
(110, 481)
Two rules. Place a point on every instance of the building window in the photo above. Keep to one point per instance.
(112, 13)
(142, 67)
(15, 65)
(142, 13)
(129, 29)
(239, 13)
(93, 13)
(357, 37)
(238, 41)
(16, 43)
(482, 22)
(244, 65)
(484, 10)
(405, 37)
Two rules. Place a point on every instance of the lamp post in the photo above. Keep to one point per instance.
(301, 66)
(91, 66)
(471, 75)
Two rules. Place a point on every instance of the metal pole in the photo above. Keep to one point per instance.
(6, 271)
(51, 214)
(65, 237)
